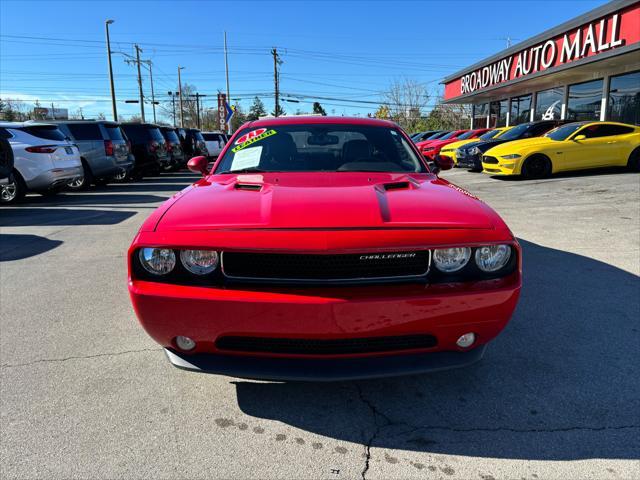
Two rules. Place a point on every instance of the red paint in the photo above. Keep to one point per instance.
(431, 148)
(323, 213)
(628, 32)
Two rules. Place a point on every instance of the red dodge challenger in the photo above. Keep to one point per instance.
(322, 248)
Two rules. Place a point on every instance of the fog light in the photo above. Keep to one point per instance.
(185, 343)
(464, 341)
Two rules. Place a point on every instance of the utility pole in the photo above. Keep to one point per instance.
(113, 92)
(198, 96)
(226, 68)
(180, 93)
(138, 50)
(276, 61)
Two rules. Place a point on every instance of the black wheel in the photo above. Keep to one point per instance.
(13, 191)
(6, 158)
(633, 163)
(83, 182)
(536, 166)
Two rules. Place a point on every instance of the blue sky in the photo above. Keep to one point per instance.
(348, 51)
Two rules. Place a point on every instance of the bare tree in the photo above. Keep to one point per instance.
(407, 100)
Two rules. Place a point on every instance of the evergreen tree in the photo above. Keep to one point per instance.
(317, 108)
(256, 110)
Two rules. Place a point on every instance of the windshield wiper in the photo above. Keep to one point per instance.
(244, 170)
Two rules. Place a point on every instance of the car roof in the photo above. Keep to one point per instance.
(29, 123)
(125, 124)
(319, 120)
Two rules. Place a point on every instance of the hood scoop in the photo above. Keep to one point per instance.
(402, 185)
(252, 187)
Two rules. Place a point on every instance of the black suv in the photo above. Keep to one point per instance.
(470, 155)
(174, 147)
(148, 146)
(6, 159)
(194, 143)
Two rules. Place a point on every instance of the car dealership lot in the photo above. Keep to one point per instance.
(85, 393)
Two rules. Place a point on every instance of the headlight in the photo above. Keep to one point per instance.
(449, 260)
(199, 262)
(427, 149)
(511, 156)
(158, 261)
(492, 257)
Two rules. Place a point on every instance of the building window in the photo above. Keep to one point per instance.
(624, 98)
(549, 104)
(480, 114)
(498, 113)
(520, 109)
(585, 101)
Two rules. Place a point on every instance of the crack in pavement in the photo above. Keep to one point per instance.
(79, 357)
(376, 413)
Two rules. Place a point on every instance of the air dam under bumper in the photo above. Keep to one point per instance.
(323, 369)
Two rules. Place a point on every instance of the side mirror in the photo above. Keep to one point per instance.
(199, 165)
(443, 163)
(577, 138)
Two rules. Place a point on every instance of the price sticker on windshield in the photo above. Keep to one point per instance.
(252, 137)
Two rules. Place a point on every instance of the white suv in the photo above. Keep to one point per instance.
(44, 160)
(215, 142)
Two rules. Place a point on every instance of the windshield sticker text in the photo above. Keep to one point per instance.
(252, 137)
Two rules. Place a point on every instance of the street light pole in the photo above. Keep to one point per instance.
(138, 50)
(113, 92)
(180, 93)
(153, 97)
(226, 68)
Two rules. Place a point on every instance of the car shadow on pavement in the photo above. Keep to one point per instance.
(560, 383)
(24, 217)
(18, 247)
(572, 174)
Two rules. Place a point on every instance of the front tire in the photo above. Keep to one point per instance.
(633, 163)
(14, 191)
(536, 166)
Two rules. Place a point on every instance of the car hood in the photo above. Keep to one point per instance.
(460, 143)
(325, 200)
(516, 145)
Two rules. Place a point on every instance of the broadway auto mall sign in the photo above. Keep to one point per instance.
(611, 32)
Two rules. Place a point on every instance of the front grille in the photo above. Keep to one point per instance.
(327, 268)
(490, 160)
(307, 346)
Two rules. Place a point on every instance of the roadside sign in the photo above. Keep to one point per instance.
(230, 111)
(222, 111)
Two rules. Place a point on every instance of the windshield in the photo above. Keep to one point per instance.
(198, 136)
(469, 134)
(171, 136)
(448, 135)
(436, 135)
(48, 132)
(320, 148)
(156, 135)
(489, 134)
(563, 132)
(114, 131)
(515, 132)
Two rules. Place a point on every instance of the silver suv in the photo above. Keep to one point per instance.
(104, 151)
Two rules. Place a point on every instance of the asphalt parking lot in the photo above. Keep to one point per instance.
(86, 394)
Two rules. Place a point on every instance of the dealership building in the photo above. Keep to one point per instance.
(585, 69)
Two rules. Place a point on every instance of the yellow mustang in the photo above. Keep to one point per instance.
(450, 150)
(573, 146)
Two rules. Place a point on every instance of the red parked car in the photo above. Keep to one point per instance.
(322, 248)
(432, 148)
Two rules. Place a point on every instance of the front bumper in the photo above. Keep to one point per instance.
(53, 178)
(511, 168)
(323, 370)
(445, 311)
(469, 161)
